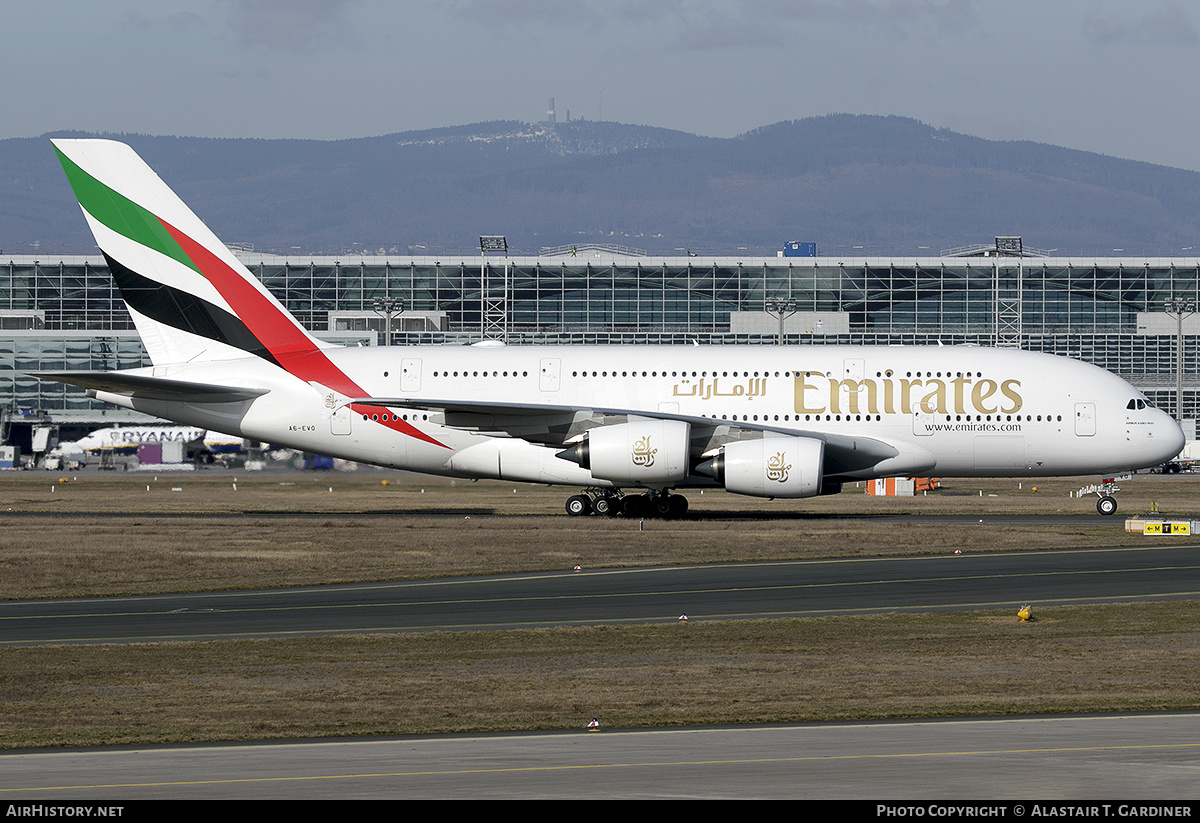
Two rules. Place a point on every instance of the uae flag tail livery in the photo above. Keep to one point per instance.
(192, 301)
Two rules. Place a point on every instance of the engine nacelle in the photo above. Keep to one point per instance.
(640, 453)
(770, 467)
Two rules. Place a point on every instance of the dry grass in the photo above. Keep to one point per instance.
(1093, 658)
(101, 535)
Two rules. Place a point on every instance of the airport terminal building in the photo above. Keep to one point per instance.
(1131, 316)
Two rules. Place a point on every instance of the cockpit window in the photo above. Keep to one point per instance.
(1136, 403)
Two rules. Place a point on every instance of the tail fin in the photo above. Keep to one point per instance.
(190, 298)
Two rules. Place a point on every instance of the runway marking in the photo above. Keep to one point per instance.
(596, 766)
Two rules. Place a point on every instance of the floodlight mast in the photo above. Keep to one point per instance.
(494, 243)
(783, 309)
(1180, 308)
(493, 290)
(1009, 297)
(388, 307)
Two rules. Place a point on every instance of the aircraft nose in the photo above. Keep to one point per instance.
(1170, 435)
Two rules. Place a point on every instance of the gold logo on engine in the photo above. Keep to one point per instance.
(777, 468)
(643, 455)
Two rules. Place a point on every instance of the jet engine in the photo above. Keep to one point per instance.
(640, 452)
(769, 467)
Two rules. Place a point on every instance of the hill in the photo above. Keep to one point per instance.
(887, 184)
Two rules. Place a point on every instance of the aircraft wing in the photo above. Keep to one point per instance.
(152, 388)
(843, 453)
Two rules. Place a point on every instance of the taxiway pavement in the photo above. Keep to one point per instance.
(637, 595)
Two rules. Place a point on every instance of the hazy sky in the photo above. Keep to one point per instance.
(1106, 76)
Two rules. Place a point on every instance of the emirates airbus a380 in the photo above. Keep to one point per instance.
(767, 421)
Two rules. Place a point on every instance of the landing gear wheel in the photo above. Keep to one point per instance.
(602, 506)
(635, 505)
(578, 505)
(1106, 505)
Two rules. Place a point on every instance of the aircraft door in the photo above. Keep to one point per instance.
(921, 422)
(852, 371)
(1085, 419)
(339, 421)
(548, 378)
(410, 374)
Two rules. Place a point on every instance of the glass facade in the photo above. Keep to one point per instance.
(1085, 308)
(947, 295)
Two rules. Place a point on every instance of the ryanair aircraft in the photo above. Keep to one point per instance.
(628, 424)
(126, 439)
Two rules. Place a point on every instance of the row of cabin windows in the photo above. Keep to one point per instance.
(605, 373)
(808, 417)
(477, 374)
(888, 373)
(766, 418)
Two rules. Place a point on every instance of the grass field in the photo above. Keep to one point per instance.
(102, 534)
(105, 534)
(1071, 659)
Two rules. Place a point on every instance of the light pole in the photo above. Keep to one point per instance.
(782, 309)
(388, 307)
(1179, 308)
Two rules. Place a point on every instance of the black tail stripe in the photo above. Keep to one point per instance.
(180, 310)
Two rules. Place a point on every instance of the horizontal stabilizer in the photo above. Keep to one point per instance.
(151, 388)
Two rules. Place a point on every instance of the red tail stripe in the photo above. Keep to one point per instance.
(288, 343)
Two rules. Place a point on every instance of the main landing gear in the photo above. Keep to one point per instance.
(607, 502)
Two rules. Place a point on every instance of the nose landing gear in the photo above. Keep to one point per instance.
(1106, 488)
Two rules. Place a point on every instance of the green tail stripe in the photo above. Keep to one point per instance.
(121, 214)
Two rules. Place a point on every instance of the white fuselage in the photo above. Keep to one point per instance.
(128, 438)
(950, 411)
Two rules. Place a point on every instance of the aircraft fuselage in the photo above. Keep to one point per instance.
(953, 411)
